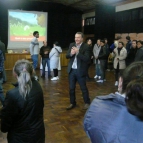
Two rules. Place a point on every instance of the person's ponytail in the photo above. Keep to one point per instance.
(25, 83)
(134, 97)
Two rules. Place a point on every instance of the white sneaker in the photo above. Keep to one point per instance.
(99, 77)
(99, 81)
(96, 76)
(57, 77)
(116, 83)
(54, 78)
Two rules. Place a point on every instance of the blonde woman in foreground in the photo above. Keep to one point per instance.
(22, 114)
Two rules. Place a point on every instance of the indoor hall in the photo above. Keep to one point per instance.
(59, 21)
(62, 126)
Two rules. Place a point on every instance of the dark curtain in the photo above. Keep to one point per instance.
(129, 21)
(105, 22)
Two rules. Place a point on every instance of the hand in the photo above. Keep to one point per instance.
(76, 50)
(72, 51)
(46, 52)
(91, 57)
(96, 57)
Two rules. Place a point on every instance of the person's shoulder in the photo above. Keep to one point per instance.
(72, 44)
(42, 47)
(13, 93)
(124, 49)
(85, 46)
(106, 97)
(111, 98)
(34, 39)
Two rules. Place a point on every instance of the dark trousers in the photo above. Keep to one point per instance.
(102, 68)
(87, 76)
(106, 65)
(44, 62)
(117, 72)
(55, 72)
(2, 98)
(73, 78)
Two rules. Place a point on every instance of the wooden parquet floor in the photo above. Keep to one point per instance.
(64, 126)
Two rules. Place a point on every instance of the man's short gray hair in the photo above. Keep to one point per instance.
(82, 35)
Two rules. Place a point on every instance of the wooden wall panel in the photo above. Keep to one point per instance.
(12, 58)
(123, 38)
(139, 36)
(134, 36)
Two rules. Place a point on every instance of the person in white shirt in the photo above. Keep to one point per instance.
(34, 49)
(54, 59)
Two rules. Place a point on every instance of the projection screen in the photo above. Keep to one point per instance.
(22, 24)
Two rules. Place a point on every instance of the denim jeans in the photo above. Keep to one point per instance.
(35, 61)
(98, 70)
(44, 62)
(102, 68)
(4, 74)
(2, 98)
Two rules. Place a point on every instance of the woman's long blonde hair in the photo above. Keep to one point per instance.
(24, 69)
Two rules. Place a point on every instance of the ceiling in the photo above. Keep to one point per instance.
(88, 5)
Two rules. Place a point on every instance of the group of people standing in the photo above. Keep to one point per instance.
(49, 56)
(114, 117)
(22, 112)
(122, 56)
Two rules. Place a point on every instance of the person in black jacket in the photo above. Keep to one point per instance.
(22, 114)
(89, 43)
(79, 55)
(2, 48)
(139, 54)
(102, 58)
(44, 52)
(129, 43)
(132, 53)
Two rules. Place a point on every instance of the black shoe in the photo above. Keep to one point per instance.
(71, 107)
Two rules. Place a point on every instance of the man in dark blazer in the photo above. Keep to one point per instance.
(79, 55)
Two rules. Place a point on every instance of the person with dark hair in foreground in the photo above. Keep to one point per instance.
(22, 113)
(118, 118)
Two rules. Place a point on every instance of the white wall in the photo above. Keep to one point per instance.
(128, 6)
